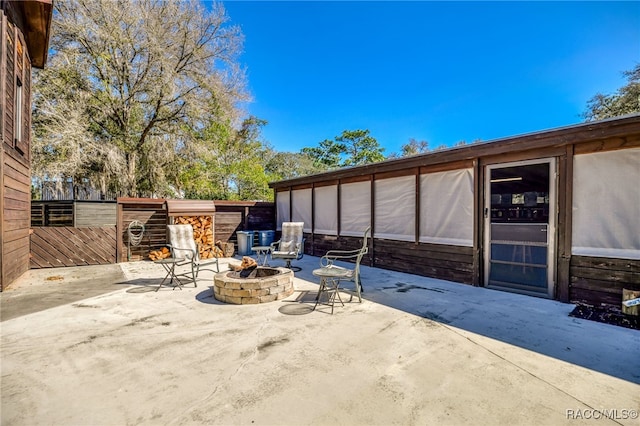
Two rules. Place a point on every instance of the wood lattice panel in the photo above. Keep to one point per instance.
(53, 247)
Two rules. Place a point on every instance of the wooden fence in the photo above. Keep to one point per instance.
(53, 247)
(234, 216)
(81, 233)
(73, 213)
(150, 212)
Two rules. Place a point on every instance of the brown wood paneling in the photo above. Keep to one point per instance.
(17, 18)
(155, 221)
(16, 170)
(152, 213)
(611, 144)
(13, 266)
(478, 224)
(15, 234)
(445, 167)
(227, 224)
(326, 183)
(599, 281)
(396, 173)
(537, 154)
(53, 247)
(15, 200)
(94, 214)
(321, 244)
(15, 185)
(565, 203)
(15, 208)
(190, 207)
(433, 260)
(262, 217)
(21, 223)
(355, 179)
(234, 216)
(9, 83)
(303, 186)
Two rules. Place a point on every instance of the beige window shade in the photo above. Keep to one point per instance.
(606, 204)
(395, 208)
(355, 208)
(282, 208)
(446, 207)
(326, 210)
(301, 207)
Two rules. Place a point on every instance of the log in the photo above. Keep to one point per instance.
(630, 295)
(163, 253)
(202, 233)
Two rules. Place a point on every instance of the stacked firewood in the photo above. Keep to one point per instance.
(163, 253)
(202, 234)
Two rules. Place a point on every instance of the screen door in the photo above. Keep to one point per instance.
(520, 227)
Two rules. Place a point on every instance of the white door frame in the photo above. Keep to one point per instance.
(551, 227)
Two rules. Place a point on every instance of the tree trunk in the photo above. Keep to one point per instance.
(132, 159)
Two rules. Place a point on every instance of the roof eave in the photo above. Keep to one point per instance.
(577, 133)
(37, 16)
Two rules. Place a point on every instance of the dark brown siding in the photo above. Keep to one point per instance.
(9, 83)
(234, 216)
(15, 177)
(430, 260)
(599, 281)
(451, 263)
(318, 245)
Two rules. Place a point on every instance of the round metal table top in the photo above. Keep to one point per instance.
(169, 260)
(331, 272)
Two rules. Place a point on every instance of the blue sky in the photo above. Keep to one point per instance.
(435, 71)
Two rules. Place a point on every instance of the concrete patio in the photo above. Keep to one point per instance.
(97, 345)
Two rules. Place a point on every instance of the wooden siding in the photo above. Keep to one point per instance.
(9, 82)
(15, 175)
(599, 281)
(232, 217)
(16, 196)
(16, 19)
(53, 247)
(431, 260)
(94, 214)
(318, 245)
(154, 217)
(52, 213)
(446, 262)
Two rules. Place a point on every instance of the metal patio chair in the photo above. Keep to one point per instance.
(290, 246)
(183, 246)
(353, 275)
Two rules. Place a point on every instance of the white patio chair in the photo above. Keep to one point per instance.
(330, 257)
(290, 246)
(183, 246)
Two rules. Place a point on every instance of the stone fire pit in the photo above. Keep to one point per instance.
(262, 284)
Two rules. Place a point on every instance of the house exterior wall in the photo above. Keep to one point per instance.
(595, 280)
(15, 177)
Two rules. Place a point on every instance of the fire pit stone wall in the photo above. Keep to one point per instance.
(245, 291)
